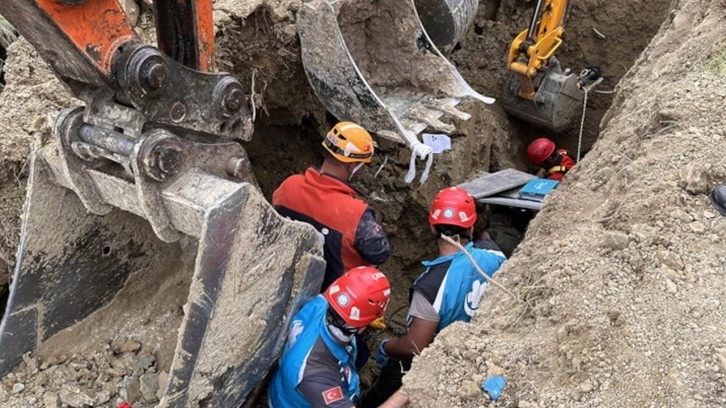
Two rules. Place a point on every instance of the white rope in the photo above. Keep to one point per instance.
(422, 151)
(385, 160)
(476, 265)
(582, 125)
(586, 89)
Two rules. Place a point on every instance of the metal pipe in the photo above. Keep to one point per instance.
(114, 142)
(533, 22)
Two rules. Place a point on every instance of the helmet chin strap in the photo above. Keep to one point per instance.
(339, 334)
(355, 170)
(338, 328)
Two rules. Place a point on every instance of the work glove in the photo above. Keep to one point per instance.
(381, 355)
(378, 324)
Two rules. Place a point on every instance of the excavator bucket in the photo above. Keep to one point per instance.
(215, 301)
(557, 102)
(446, 21)
(371, 61)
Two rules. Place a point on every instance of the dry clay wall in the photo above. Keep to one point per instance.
(619, 279)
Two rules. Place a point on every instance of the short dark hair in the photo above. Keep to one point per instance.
(452, 231)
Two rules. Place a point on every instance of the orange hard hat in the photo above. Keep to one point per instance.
(453, 206)
(348, 142)
(360, 296)
(539, 150)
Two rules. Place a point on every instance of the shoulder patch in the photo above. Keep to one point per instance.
(332, 395)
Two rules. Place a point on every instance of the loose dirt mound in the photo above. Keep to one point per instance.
(619, 273)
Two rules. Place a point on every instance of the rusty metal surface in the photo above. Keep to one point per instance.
(182, 98)
(351, 92)
(164, 90)
(253, 270)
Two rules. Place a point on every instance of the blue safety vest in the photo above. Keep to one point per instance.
(452, 284)
(310, 341)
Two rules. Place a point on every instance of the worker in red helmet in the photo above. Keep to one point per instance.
(449, 289)
(317, 367)
(554, 163)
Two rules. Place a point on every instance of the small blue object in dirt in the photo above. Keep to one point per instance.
(493, 386)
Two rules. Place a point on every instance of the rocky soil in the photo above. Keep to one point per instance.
(619, 277)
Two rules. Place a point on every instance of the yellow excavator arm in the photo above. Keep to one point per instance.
(537, 89)
(531, 53)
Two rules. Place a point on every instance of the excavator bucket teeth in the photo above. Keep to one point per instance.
(557, 102)
(373, 63)
(215, 303)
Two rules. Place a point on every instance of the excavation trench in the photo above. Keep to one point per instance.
(260, 41)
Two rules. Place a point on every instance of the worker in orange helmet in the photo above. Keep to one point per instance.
(317, 366)
(554, 163)
(324, 198)
(449, 289)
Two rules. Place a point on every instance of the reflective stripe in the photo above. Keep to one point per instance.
(557, 169)
(338, 150)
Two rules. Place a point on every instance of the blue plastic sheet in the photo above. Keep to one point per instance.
(493, 386)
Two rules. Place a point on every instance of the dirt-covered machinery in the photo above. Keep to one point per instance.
(380, 63)
(538, 90)
(146, 188)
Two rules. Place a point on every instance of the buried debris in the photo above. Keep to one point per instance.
(374, 63)
(718, 198)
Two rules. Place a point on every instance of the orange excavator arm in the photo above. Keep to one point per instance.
(90, 45)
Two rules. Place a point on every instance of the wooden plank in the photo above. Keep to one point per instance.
(489, 184)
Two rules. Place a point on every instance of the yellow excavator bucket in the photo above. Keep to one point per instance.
(556, 104)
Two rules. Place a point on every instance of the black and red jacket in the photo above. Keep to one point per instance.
(561, 165)
(352, 235)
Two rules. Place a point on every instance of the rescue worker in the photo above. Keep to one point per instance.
(448, 291)
(554, 163)
(324, 198)
(501, 231)
(317, 366)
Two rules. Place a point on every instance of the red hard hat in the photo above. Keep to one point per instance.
(360, 296)
(539, 150)
(453, 206)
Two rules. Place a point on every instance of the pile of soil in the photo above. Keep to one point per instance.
(616, 279)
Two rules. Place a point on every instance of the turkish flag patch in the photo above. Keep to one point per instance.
(332, 395)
